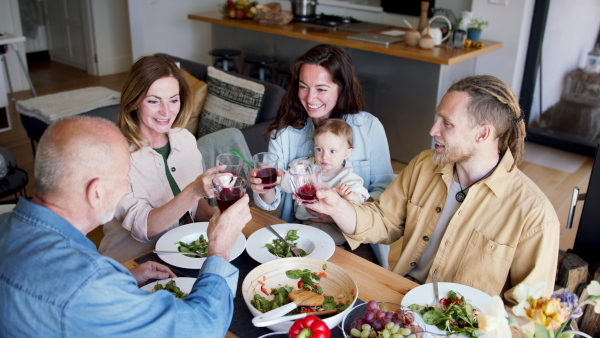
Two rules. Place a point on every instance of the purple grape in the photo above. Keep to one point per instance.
(376, 325)
(372, 306)
(380, 315)
(409, 318)
(369, 316)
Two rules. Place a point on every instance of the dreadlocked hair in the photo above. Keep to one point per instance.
(492, 101)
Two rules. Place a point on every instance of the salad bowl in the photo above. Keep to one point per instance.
(335, 282)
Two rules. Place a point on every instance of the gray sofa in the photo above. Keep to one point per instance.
(253, 134)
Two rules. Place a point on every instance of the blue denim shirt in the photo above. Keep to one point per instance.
(370, 158)
(53, 283)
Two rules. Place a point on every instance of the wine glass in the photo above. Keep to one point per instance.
(228, 190)
(229, 163)
(306, 180)
(266, 166)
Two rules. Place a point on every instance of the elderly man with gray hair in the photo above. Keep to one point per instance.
(53, 282)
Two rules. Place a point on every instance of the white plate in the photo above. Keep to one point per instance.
(185, 284)
(187, 234)
(316, 242)
(423, 295)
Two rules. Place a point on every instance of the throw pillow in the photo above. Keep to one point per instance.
(199, 90)
(231, 102)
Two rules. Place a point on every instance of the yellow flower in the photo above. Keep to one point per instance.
(547, 313)
(525, 293)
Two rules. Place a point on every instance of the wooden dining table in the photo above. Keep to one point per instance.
(373, 281)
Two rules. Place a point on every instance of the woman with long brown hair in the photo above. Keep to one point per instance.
(168, 185)
(323, 85)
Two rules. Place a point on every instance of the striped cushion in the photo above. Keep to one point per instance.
(231, 102)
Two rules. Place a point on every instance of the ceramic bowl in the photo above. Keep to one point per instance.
(359, 312)
(338, 284)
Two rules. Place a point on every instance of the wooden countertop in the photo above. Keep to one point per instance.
(439, 55)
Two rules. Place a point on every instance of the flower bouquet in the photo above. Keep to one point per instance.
(551, 316)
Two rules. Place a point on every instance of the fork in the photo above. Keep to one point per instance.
(178, 252)
(293, 247)
(438, 306)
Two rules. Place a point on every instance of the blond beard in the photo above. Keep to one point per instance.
(447, 157)
(439, 158)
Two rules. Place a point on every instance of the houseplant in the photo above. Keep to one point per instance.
(551, 316)
(475, 28)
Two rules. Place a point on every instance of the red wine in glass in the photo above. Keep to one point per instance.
(227, 196)
(268, 177)
(307, 194)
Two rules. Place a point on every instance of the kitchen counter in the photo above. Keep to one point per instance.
(440, 55)
(402, 85)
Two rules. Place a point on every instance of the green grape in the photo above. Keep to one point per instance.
(397, 335)
(366, 327)
(389, 325)
(404, 331)
(365, 333)
(395, 328)
(385, 333)
(355, 332)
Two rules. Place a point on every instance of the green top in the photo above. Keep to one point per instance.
(164, 152)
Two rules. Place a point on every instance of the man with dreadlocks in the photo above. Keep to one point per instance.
(463, 210)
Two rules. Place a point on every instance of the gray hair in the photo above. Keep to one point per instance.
(67, 159)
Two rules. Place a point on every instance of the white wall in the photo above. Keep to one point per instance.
(510, 25)
(10, 22)
(162, 26)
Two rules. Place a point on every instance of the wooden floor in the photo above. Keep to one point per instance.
(48, 78)
(51, 77)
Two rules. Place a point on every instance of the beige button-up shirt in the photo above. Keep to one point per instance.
(505, 232)
(126, 236)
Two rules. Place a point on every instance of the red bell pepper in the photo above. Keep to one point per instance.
(309, 326)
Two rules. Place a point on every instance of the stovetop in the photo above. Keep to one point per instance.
(326, 20)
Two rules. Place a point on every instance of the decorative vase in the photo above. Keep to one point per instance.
(427, 42)
(474, 34)
(411, 38)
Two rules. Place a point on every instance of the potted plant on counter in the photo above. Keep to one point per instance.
(475, 28)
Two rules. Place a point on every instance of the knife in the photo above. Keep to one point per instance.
(294, 248)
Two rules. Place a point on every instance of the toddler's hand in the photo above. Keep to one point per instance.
(345, 191)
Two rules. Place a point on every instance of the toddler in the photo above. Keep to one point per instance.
(333, 146)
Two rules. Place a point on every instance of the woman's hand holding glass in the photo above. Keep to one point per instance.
(263, 178)
(203, 186)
